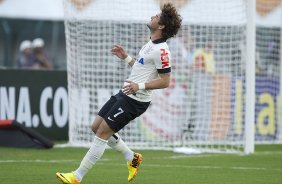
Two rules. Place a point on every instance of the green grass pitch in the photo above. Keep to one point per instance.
(32, 166)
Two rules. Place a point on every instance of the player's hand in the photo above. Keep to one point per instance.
(130, 88)
(119, 51)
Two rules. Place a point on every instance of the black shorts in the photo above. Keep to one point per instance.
(120, 109)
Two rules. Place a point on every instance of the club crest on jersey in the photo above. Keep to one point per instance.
(164, 58)
(141, 61)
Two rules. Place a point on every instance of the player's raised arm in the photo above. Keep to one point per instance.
(120, 53)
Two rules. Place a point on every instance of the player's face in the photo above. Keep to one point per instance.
(154, 23)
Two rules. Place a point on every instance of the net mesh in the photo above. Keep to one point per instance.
(203, 108)
(268, 71)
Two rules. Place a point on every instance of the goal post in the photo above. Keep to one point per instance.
(209, 105)
(279, 105)
(250, 78)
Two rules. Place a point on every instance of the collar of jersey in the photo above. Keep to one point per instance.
(160, 40)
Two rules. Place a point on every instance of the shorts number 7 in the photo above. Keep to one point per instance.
(120, 112)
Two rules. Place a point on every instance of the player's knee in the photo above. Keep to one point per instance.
(94, 128)
(98, 120)
(104, 131)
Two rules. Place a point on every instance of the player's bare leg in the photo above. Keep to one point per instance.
(116, 143)
(93, 155)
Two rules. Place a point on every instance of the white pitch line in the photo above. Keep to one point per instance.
(189, 156)
(44, 161)
(207, 167)
(105, 161)
(268, 153)
(37, 161)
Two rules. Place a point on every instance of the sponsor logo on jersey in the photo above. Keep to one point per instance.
(164, 58)
(141, 61)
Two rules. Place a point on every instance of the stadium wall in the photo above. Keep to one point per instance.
(38, 99)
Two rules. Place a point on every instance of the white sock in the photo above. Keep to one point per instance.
(117, 144)
(94, 153)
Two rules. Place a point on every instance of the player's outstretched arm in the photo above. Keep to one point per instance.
(162, 82)
(120, 53)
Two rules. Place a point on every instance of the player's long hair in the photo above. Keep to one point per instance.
(171, 20)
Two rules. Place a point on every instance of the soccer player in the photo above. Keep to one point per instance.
(150, 71)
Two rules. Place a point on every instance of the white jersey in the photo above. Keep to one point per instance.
(154, 58)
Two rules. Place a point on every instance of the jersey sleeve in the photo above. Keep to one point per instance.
(162, 59)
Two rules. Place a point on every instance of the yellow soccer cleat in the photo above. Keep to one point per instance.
(133, 166)
(67, 178)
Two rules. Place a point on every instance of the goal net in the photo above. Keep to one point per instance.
(205, 106)
(268, 72)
